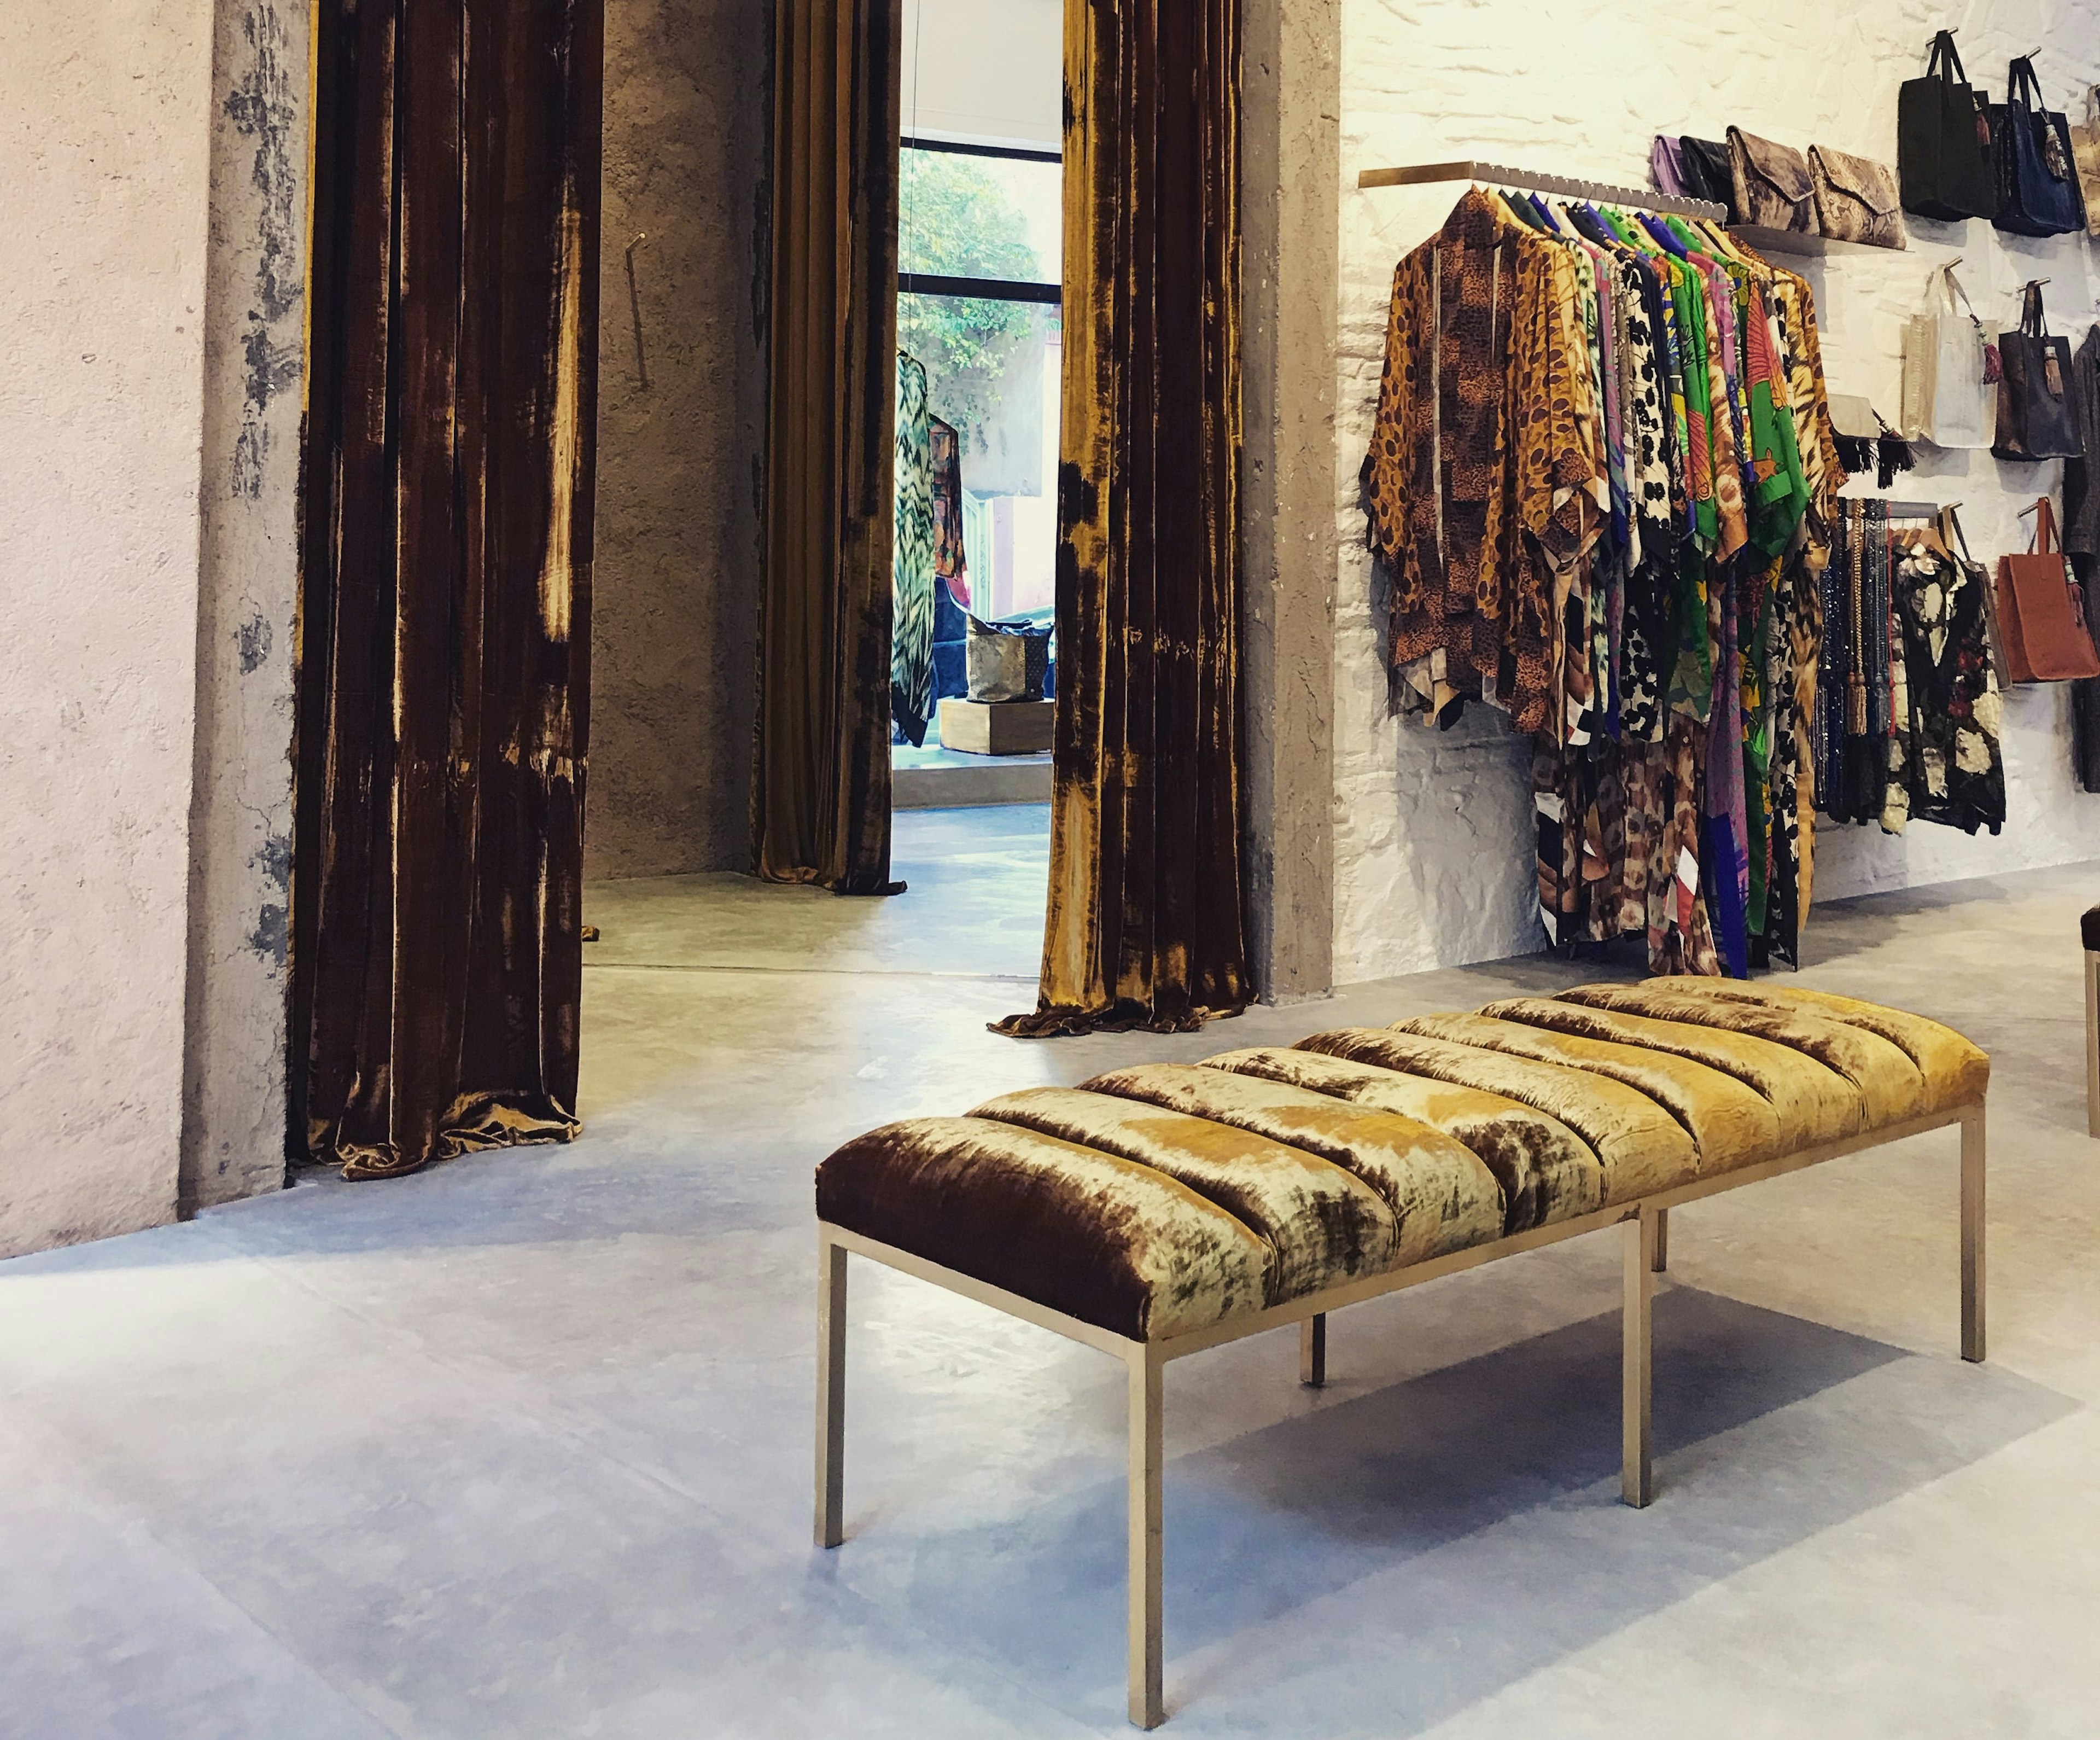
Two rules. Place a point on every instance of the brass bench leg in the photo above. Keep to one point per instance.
(831, 1391)
(1148, 1704)
(1637, 1472)
(2091, 1044)
(1972, 1234)
(1312, 1350)
(1662, 1241)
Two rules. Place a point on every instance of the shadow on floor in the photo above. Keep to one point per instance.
(1478, 1503)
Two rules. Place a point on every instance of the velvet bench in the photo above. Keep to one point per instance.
(1162, 1210)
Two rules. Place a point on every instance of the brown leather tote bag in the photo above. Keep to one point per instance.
(2041, 612)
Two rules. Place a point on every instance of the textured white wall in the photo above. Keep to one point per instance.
(1433, 840)
(105, 168)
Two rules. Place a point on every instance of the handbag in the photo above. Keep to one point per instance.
(1952, 534)
(1773, 189)
(1856, 199)
(1006, 661)
(2037, 418)
(1704, 165)
(1947, 386)
(2038, 182)
(1944, 141)
(2085, 157)
(1666, 164)
(2041, 613)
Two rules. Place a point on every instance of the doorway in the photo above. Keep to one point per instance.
(979, 301)
(980, 292)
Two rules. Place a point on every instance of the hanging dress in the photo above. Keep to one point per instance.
(911, 574)
(949, 563)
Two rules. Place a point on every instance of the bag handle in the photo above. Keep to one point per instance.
(1951, 523)
(2044, 542)
(2034, 319)
(2022, 88)
(1945, 62)
(1950, 288)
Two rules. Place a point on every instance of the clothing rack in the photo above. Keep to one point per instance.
(1597, 192)
(1905, 510)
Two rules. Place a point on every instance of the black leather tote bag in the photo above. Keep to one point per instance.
(1707, 174)
(2038, 416)
(1943, 142)
(2038, 177)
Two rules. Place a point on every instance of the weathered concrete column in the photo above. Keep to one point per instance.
(248, 568)
(1291, 179)
(104, 175)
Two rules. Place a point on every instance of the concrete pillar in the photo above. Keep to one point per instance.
(682, 419)
(105, 177)
(1290, 178)
(240, 816)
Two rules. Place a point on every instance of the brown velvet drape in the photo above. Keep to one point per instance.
(445, 612)
(820, 793)
(1145, 925)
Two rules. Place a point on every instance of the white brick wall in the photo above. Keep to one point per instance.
(1433, 844)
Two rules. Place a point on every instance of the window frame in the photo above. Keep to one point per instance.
(980, 290)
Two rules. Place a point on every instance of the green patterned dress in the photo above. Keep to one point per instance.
(911, 574)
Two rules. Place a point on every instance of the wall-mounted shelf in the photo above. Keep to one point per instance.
(1799, 241)
(1502, 176)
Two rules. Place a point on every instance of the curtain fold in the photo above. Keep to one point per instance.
(445, 591)
(821, 783)
(1145, 925)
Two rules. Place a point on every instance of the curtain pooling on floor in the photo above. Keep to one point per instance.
(1144, 927)
(445, 604)
(821, 785)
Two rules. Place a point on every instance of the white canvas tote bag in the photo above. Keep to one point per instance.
(1946, 398)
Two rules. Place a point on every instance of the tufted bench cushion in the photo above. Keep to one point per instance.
(1155, 1201)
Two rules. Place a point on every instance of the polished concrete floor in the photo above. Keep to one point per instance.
(520, 1446)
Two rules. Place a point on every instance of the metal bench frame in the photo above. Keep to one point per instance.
(1646, 1224)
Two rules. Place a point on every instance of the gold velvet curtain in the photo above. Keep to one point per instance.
(1145, 925)
(444, 629)
(821, 788)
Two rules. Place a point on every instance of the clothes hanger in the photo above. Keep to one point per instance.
(1520, 209)
(1665, 237)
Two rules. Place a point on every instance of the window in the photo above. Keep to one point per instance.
(980, 264)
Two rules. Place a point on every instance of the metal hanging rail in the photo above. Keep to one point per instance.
(1646, 199)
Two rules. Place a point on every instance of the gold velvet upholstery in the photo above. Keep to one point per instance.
(1323, 1224)
(1811, 1102)
(1545, 1171)
(1639, 1146)
(1156, 1200)
(1441, 1192)
(1889, 1084)
(1730, 1125)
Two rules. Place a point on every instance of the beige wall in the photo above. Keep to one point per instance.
(104, 167)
